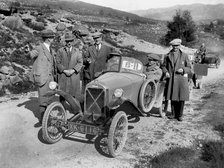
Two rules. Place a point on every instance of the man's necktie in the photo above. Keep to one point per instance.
(97, 47)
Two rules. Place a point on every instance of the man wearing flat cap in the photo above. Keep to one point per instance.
(176, 67)
(69, 63)
(153, 70)
(43, 70)
(95, 58)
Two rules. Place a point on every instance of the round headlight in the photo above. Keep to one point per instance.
(118, 93)
(52, 85)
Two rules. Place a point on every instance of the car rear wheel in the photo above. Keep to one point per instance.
(147, 96)
(117, 133)
(53, 117)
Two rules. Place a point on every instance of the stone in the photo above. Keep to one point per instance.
(7, 70)
(15, 79)
(2, 76)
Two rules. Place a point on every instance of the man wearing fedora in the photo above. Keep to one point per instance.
(69, 64)
(43, 70)
(176, 67)
(95, 58)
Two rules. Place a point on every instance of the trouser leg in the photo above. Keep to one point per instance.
(44, 100)
(181, 108)
(42, 109)
(178, 108)
(173, 108)
(166, 103)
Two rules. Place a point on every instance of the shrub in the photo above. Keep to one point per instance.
(14, 23)
(41, 19)
(6, 40)
(182, 27)
(53, 20)
(39, 26)
(170, 159)
(21, 87)
(20, 57)
(213, 152)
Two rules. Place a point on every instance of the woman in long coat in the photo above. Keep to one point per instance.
(176, 67)
(69, 63)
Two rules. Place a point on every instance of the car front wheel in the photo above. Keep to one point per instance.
(117, 133)
(53, 118)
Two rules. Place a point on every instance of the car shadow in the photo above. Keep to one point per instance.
(32, 105)
(88, 139)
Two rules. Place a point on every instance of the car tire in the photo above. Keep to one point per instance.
(147, 96)
(117, 135)
(50, 128)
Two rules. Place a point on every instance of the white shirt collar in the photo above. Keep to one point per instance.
(99, 45)
(48, 46)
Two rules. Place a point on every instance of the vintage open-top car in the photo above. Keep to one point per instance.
(121, 90)
(210, 58)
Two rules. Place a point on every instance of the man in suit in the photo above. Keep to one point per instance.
(69, 63)
(43, 70)
(176, 67)
(95, 59)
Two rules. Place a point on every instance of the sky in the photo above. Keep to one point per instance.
(128, 5)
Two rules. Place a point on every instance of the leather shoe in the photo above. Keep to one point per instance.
(171, 117)
(179, 118)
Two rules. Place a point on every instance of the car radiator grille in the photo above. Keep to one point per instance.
(95, 98)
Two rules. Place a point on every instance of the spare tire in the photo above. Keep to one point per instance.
(147, 95)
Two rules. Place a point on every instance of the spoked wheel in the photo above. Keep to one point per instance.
(117, 133)
(53, 117)
(147, 96)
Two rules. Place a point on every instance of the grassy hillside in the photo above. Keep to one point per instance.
(199, 12)
(82, 8)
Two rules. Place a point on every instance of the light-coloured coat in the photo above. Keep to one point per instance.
(70, 84)
(43, 71)
(43, 66)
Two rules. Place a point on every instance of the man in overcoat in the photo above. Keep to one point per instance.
(69, 64)
(43, 70)
(176, 67)
(95, 59)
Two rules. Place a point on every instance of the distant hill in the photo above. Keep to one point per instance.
(199, 12)
(82, 8)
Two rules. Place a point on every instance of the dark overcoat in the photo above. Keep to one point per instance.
(65, 61)
(98, 60)
(177, 88)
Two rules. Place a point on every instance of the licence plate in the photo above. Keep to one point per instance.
(83, 128)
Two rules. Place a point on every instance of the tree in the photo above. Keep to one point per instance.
(101, 12)
(209, 28)
(182, 27)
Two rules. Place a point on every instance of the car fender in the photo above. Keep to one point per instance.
(125, 105)
(75, 104)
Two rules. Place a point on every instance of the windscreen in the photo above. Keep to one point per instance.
(129, 64)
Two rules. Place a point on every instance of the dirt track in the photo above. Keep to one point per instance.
(21, 145)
